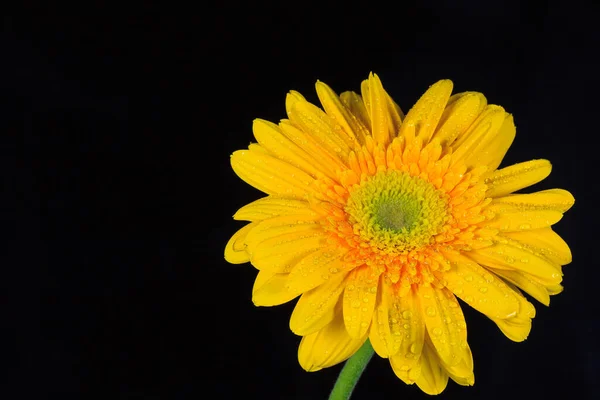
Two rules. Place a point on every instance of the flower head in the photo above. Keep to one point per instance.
(379, 221)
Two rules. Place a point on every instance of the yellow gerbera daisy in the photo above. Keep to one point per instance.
(379, 221)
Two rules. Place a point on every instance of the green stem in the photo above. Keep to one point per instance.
(351, 372)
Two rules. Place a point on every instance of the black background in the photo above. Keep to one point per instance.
(119, 123)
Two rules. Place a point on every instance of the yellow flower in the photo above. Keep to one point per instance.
(379, 221)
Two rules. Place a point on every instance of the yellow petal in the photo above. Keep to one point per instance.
(360, 295)
(546, 242)
(316, 308)
(408, 376)
(487, 140)
(517, 331)
(354, 103)
(462, 110)
(515, 177)
(424, 116)
(554, 289)
(273, 206)
(312, 120)
(525, 282)
(335, 109)
(270, 289)
(380, 333)
(529, 211)
(282, 253)
(479, 288)
(397, 327)
(433, 378)
(317, 267)
(323, 158)
(497, 147)
(235, 250)
(462, 373)
(444, 321)
(513, 256)
(270, 175)
(329, 346)
(518, 327)
(411, 328)
(281, 226)
(291, 99)
(272, 139)
(376, 103)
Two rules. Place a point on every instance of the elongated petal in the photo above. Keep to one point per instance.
(497, 147)
(270, 175)
(442, 318)
(479, 288)
(359, 300)
(462, 373)
(518, 327)
(280, 226)
(312, 120)
(282, 253)
(381, 332)
(487, 140)
(329, 346)
(324, 160)
(342, 115)
(527, 283)
(316, 308)
(515, 177)
(376, 104)
(433, 378)
(513, 256)
(545, 242)
(270, 289)
(235, 250)
(355, 104)
(317, 267)
(517, 331)
(529, 211)
(273, 206)
(398, 327)
(462, 110)
(272, 139)
(425, 115)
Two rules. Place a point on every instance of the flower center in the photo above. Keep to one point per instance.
(394, 212)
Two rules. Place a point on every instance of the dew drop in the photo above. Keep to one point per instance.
(430, 311)
(350, 288)
(406, 314)
(355, 303)
(437, 331)
(483, 289)
(469, 278)
(406, 326)
(413, 348)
